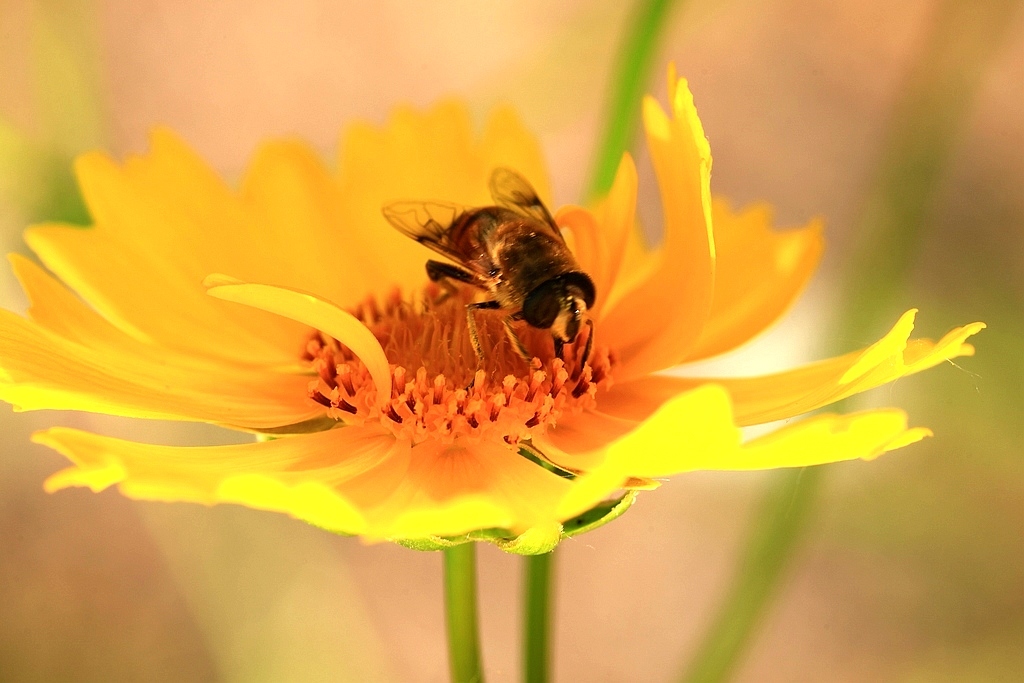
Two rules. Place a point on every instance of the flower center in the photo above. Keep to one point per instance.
(439, 390)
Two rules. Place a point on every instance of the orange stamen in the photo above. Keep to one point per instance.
(447, 397)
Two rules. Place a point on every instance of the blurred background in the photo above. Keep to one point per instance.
(911, 568)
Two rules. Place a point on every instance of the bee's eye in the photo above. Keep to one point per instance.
(542, 305)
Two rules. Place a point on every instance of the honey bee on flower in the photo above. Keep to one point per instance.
(395, 421)
(514, 251)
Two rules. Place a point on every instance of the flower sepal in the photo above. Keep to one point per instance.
(599, 515)
(536, 540)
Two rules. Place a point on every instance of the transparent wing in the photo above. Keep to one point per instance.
(429, 223)
(512, 191)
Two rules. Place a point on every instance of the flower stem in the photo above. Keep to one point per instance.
(629, 82)
(779, 520)
(537, 623)
(460, 606)
(922, 137)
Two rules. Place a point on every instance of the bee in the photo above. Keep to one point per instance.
(513, 251)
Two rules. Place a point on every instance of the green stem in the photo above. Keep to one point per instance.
(460, 605)
(629, 82)
(537, 625)
(925, 129)
(778, 523)
(922, 138)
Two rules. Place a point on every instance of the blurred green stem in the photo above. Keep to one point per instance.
(926, 126)
(460, 607)
(923, 133)
(777, 524)
(629, 83)
(66, 79)
(537, 624)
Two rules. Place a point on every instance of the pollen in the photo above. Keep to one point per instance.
(438, 390)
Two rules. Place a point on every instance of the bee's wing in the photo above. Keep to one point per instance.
(429, 223)
(512, 191)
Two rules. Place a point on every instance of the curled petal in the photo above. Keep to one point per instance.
(601, 237)
(616, 215)
(787, 394)
(311, 311)
(655, 325)
(586, 241)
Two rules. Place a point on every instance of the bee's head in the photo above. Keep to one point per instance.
(560, 305)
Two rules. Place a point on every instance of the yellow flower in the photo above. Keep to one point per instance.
(291, 308)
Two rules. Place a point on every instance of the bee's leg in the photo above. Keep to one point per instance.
(517, 343)
(474, 337)
(443, 273)
(590, 341)
(559, 346)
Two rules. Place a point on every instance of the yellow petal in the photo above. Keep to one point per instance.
(783, 395)
(52, 306)
(68, 357)
(508, 142)
(40, 371)
(576, 442)
(327, 318)
(585, 241)
(639, 263)
(356, 480)
(795, 392)
(451, 489)
(664, 446)
(695, 431)
(697, 423)
(296, 216)
(758, 274)
(282, 228)
(303, 476)
(421, 156)
(655, 325)
(142, 264)
(626, 250)
(601, 238)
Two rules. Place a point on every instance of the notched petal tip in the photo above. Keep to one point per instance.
(656, 121)
(899, 354)
(93, 161)
(97, 476)
(911, 436)
(894, 343)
